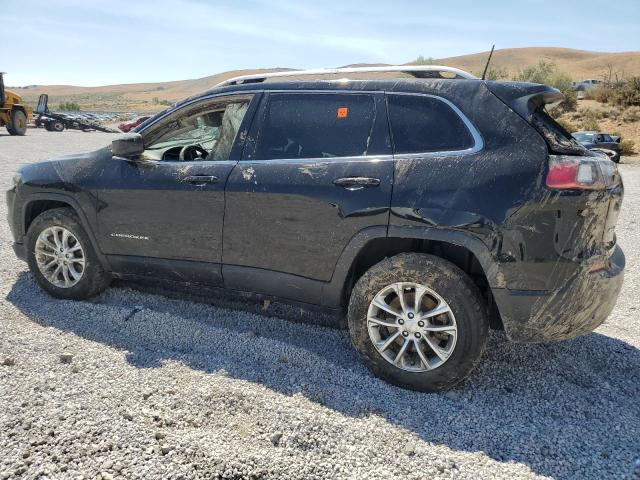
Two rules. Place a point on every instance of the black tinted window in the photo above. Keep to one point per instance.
(558, 139)
(426, 124)
(316, 126)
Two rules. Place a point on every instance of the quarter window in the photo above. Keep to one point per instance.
(426, 124)
(316, 126)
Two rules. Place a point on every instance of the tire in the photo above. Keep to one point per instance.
(18, 123)
(444, 282)
(48, 127)
(10, 129)
(93, 278)
(57, 126)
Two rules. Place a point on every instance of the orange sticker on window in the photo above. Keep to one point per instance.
(343, 112)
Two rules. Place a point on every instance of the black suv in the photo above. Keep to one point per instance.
(427, 209)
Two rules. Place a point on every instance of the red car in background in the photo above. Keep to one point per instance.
(127, 126)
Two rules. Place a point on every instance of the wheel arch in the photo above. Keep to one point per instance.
(38, 203)
(373, 245)
(21, 108)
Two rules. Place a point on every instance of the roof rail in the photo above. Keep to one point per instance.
(418, 71)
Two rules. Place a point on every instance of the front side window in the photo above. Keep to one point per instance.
(204, 132)
(316, 126)
(421, 124)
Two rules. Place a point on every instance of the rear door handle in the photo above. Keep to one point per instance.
(356, 183)
(201, 179)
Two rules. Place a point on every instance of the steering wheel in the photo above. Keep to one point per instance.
(190, 152)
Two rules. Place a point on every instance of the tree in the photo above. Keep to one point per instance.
(628, 95)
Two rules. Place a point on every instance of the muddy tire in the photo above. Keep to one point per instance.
(61, 257)
(414, 346)
(18, 123)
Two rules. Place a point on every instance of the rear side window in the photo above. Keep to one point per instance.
(316, 126)
(426, 124)
(559, 140)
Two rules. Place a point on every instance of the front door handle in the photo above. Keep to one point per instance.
(201, 179)
(356, 183)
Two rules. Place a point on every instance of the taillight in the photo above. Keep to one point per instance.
(567, 172)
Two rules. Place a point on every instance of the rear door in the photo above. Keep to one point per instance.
(317, 169)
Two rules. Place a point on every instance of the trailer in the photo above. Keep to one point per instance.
(57, 122)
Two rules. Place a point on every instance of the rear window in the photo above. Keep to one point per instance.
(559, 140)
(316, 126)
(426, 124)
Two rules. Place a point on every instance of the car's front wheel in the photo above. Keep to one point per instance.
(61, 257)
(418, 322)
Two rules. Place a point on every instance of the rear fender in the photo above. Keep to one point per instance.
(332, 291)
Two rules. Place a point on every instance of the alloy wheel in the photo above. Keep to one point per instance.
(60, 257)
(412, 327)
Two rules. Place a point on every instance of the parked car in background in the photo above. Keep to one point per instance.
(583, 85)
(128, 126)
(600, 140)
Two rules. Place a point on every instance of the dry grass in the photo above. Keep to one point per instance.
(592, 115)
(578, 64)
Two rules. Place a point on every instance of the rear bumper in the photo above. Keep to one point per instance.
(579, 306)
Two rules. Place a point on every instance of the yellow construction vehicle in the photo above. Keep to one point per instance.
(13, 113)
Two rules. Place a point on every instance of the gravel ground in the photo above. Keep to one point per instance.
(136, 385)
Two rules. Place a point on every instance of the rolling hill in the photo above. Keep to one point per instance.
(149, 97)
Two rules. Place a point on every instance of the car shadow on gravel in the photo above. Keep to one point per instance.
(565, 407)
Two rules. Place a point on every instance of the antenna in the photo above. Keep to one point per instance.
(488, 61)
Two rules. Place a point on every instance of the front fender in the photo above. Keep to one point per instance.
(72, 203)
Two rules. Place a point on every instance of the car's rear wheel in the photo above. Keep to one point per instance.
(61, 257)
(418, 322)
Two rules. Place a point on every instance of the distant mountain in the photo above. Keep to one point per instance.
(579, 64)
(149, 97)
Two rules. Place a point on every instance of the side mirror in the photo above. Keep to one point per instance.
(127, 145)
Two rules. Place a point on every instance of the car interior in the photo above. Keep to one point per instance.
(203, 135)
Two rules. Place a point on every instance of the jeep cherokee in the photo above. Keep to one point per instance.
(428, 209)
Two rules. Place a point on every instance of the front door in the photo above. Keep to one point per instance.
(163, 213)
(317, 170)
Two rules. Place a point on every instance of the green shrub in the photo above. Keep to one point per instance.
(628, 95)
(627, 147)
(69, 107)
(539, 73)
(546, 72)
(423, 61)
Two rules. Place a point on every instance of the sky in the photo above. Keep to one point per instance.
(86, 43)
